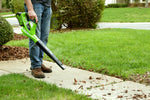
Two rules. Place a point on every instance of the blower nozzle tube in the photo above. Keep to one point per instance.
(49, 53)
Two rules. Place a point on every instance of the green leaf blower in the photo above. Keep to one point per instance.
(29, 30)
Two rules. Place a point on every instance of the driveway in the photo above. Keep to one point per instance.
(141, 25)
(101, 25)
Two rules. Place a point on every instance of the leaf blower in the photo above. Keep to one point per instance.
(29, 30)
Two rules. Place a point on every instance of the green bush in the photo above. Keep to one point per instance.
(17, 6)
(6, 31)
(5, 4)
(8, 3)
(116, 5)
(78, 13)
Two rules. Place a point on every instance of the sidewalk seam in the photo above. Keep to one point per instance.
(6, 70)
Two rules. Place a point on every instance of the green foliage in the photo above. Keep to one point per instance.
(116, 5)
(127, 1)
(17, 6)
(5, 3)
(78, 13)
(6, 31)
(8, 3)
(136, 4)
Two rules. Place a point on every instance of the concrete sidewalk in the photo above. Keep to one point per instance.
(96, 86)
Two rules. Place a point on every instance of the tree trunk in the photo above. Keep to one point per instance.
(146, 4)
(127, 1)
(0, 4)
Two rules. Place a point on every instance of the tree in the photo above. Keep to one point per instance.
(0, 4)
(146, 3)
(7, 3)
(127, 1)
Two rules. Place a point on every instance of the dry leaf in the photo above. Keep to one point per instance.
(88, 95)
(83, 82)
(75, 80)
(126, 91)
(113, 89)
(109, 93)
(120, 96)
(98, 78)
(81, 87)
(90, 78)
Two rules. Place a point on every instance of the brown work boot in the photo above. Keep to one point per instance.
(45, 69)
(37, 73)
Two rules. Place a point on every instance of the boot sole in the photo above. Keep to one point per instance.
(47, 71)
(38, 76)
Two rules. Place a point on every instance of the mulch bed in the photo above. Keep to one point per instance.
(12, 53)
(4, 10)
(19, 37)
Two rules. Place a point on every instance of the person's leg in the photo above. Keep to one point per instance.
(42, 32)
(34, 50)
(45, 27)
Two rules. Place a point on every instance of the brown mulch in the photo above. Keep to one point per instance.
(12, 53)
(19, 37)
(4, 10)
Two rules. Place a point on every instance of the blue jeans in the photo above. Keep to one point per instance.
(42, 32)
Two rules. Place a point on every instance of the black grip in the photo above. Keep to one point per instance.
(27, 17)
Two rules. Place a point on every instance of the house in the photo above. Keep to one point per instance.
(113, 1)
(140, 1)
(122, 1)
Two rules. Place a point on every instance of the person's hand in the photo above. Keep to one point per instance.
(32, 15)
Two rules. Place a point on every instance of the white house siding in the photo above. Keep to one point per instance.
(113, 1)
(110, 2)
(140, 1)
(122, 1)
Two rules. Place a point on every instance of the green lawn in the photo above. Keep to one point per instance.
(120, 52)
(19, 87)
(6, 13)
(126, 15)
(122, 15)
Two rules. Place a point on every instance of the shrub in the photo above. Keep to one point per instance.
(78, 13)
(116, 5)
(17, 6)
(8, 3)
(5, 4)
(138, 4)
(6, 31)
